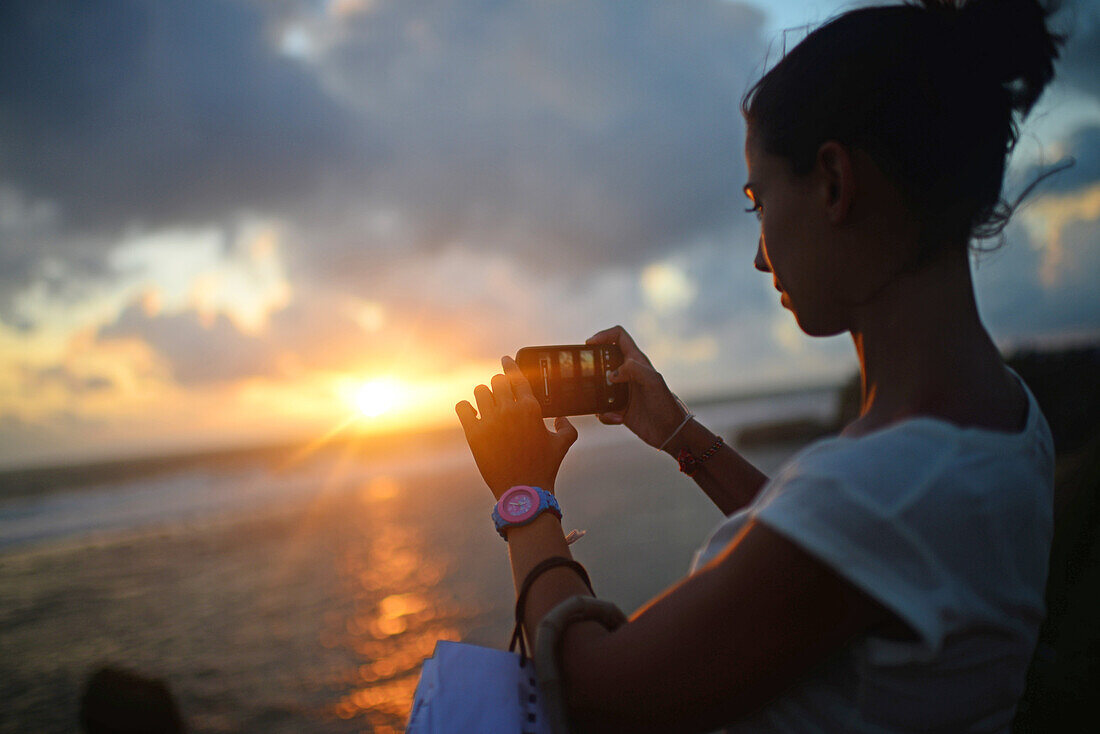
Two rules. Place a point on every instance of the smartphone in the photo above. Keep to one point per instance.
(574, 379)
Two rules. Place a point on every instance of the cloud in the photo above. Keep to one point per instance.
(1081, 56)
(1034, 289)
(197, 352)
(199, 347)
(573, 134)
(123, 116)
(1083, 146)
(69, 381)
(129, 111)
(438, 182)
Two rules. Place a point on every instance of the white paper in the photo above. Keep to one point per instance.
(475, 690)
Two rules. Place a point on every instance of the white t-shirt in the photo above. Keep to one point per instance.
(947, 527)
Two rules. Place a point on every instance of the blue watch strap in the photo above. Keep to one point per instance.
(547, 503)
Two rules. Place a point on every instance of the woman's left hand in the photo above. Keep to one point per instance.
(509, 440)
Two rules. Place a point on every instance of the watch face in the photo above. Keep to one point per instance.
(518, 504)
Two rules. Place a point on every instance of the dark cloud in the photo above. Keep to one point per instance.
(1083, 146)
(125, 111)
(308, 335)
(68, 380)
(28, 228)
(1081, 56)
(196, 352)
(1017, 305)
(551, 144)
(570, 133)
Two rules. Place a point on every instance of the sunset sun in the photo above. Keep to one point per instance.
(378, 396)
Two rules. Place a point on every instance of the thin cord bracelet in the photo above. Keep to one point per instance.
(521, 598)
(668, 440)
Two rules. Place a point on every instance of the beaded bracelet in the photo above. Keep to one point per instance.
(689, 463)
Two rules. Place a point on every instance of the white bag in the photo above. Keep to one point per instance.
(467, 689)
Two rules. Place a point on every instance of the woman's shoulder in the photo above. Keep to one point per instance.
(926, 457)
(895, 450)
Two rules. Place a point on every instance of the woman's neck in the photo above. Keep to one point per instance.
(924, 351)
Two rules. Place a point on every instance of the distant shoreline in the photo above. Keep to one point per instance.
(35, 479)
(1061, 377)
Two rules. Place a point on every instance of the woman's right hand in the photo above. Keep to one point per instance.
(653, 412)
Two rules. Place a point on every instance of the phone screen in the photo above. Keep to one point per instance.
(574, 379)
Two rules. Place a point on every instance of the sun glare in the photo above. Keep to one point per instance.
(387, 401)
(378, 397)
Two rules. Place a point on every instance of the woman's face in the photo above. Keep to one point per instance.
(834, 239)
(793, 243)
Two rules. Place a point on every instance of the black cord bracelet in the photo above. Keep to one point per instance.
(521, 598)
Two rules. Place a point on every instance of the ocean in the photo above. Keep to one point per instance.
(300, 593)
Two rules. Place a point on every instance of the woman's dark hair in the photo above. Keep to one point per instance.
(932, 91)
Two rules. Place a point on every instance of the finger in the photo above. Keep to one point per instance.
(485, 402)
(632, 371)
(611, 419)
(466, 416)
(502, 391)
(521, 388)
(618, 335)
(565, 431)
(607, 336)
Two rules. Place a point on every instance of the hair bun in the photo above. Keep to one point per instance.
(1006, 41)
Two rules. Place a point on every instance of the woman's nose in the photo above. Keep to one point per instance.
(761, 262)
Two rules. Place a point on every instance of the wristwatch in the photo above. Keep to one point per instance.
(522, 504)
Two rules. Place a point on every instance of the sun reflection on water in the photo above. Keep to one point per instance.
(399, 612)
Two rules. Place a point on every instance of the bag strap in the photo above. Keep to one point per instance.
(548, 643)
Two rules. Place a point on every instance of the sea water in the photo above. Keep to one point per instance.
(304, 597)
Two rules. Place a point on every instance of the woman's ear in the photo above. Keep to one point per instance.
(834, 166)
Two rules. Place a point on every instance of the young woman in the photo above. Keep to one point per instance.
(891, 578)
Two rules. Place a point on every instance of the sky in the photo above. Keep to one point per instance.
(225, 222)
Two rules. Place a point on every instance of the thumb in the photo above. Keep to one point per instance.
(611, 419)
(565, 430)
